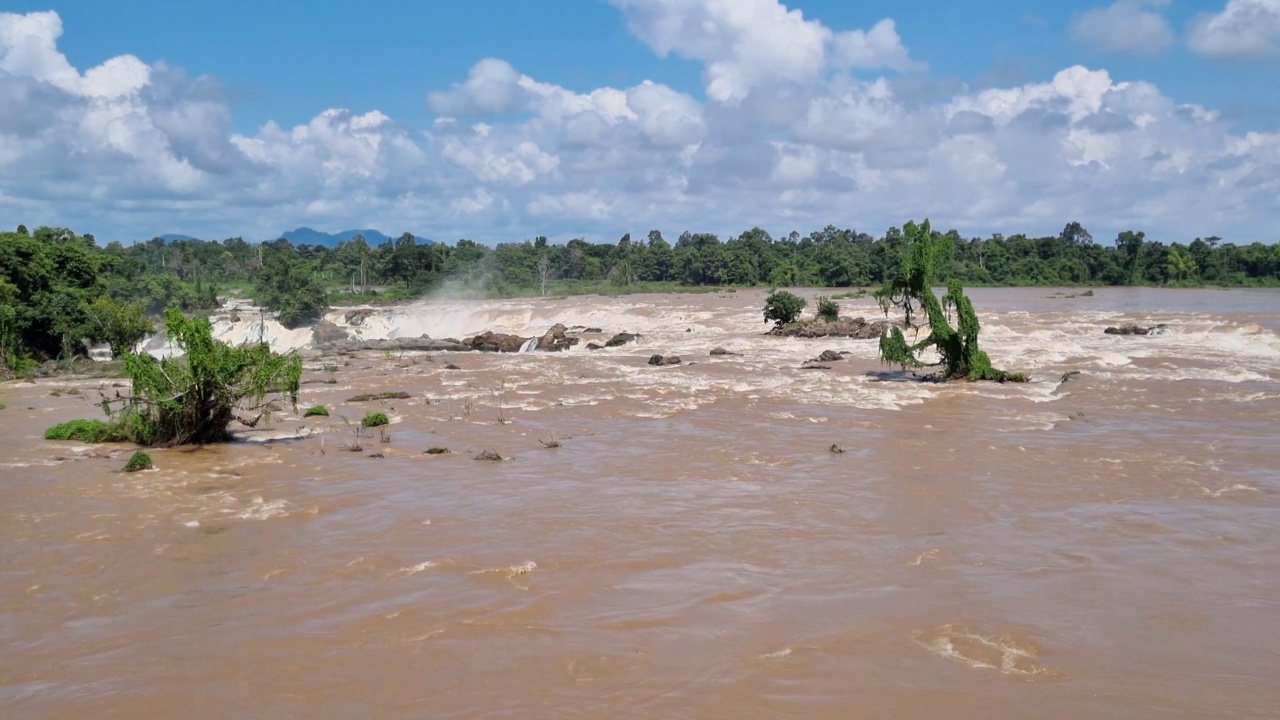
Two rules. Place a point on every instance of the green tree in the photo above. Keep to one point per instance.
(1180, 265)
(192, 399)
(911, 290)
(287, 286)
(782, 308)
(828, 309)
(119, 324)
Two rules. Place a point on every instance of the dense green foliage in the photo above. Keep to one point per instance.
(192, 399)
(828, 309)
(285, 285)
(316, 411)
(90, 431)
(375, 419)
(138, 461)
(911, 291)
(52, 281)
(782, 308)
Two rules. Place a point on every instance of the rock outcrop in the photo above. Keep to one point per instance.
(404, 344)
(830, 356)
(326, 333)
(358, 316)
(664, 360)
(857, 328)
(1137, 330)
(722, 351)
(620, 339)
(496, 342)
(556, 339)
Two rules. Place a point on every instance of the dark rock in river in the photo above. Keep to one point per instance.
(814, 365)
(357, 317)
(326, 333)
(404, 344)
(721, 351)
(668, 360)
(857, 328)
(496, 342)
(830, 356)
(620, 339)
(594, 346)
(556, 340)
(1137, 330)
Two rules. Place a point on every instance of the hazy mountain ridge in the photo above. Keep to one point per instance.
(311, 236)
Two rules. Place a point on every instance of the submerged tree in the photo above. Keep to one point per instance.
(911, 290)
(192, 399)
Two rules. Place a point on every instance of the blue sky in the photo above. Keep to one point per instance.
(503, 120)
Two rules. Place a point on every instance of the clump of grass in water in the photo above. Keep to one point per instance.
(393, 395)
(551, 441)
(489, 454)
(437, 451)
(139, 461)
(90, 431)
(316, 410)
(375, 419)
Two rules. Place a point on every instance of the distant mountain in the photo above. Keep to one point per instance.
(308, 236)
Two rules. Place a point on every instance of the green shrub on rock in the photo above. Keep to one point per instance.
(828, 309)
(782, 307)
(139, 461)
(316, 410)
(375, 419)
(90, 431)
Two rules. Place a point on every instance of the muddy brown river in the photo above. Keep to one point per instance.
(1106, 547)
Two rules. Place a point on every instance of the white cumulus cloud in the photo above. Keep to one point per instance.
(1243, 29)
(126, 149)
(747, 44)
(1132, 26)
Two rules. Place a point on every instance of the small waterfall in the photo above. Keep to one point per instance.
(529, 344)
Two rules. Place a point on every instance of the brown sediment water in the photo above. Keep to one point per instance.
(1104, 547)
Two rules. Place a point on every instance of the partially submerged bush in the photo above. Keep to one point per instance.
(489, 454)
(90, 431)
(782, 307)
(392, 395)
(828, 309)
(316, 410)
(437, 451)
(911, 291)
(375, 419)
(193, 398)
(139, 461)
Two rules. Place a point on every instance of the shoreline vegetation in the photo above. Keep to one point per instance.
(62, 294)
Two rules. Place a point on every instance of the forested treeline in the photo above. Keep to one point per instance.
(58, 289)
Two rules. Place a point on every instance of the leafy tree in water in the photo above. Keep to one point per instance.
(911, 290)
(192, 399)
(119, 324)
(287, 286)
(782, 307)
(828, 309)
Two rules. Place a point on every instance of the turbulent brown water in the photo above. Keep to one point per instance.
(1106, 547)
